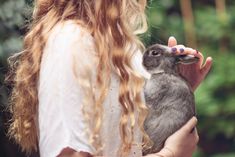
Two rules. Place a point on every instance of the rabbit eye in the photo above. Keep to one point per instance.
(155, 53)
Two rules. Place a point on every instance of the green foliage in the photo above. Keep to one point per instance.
(13, 15)
(215, 98)
(164, 21)
(11, 19)
(225, 155)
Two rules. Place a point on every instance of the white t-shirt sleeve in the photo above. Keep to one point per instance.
(68, 54)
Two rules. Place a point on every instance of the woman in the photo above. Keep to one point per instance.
(78, 82)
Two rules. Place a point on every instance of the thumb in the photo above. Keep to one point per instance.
(190, 125)
(172, 41)
(207, 66)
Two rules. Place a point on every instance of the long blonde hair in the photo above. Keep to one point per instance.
(114, 24)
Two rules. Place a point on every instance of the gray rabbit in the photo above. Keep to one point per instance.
(168, 96)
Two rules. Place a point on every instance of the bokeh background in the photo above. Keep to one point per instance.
(207, 25)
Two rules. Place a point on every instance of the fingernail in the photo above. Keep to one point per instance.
(173, 50)
(181, 50)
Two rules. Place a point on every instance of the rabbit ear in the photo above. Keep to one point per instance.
(186, 59)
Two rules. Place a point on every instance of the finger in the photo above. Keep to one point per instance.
(207, 66)
(178, 49)
(182, 50)
(201, 58)
(172, 41)
(179, 46)
(196, 135)
(190, 125)
(188, 50)
(192, 130)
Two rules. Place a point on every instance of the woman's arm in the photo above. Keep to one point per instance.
(68, 152)
(181, 144)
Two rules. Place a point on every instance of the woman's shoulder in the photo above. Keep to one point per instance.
(69, 38)
(67, 32)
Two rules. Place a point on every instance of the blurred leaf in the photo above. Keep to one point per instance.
(225, 155)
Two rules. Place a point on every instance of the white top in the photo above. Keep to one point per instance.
(61, 121)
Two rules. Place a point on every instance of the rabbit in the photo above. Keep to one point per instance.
(168, 96)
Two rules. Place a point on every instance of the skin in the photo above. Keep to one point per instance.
(183, 142)
(194, 73)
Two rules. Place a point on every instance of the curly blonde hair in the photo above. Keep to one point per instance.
(114, 25)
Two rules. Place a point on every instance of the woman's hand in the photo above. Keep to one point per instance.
(182, 143)
(193, 73)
